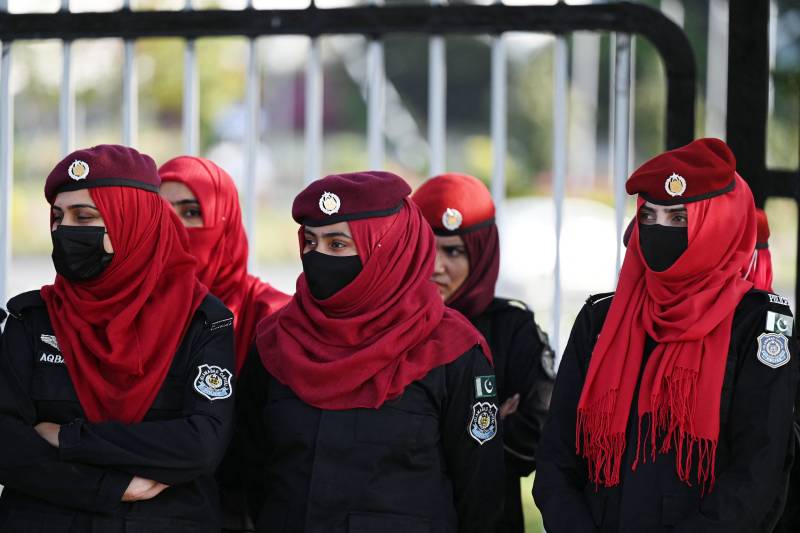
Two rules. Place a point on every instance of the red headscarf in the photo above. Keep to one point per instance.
(384, 330)
(118, 333)
(760, 271)
(477, 292)
(688, 310)
(221, 248)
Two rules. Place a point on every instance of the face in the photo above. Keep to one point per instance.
(184, 203)
(334, 239)
(76, 208)
(663, 215)
(452, 265)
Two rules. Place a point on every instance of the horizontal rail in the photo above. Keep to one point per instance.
(668, 38)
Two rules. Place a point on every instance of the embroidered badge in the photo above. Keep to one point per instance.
(78, 170)
(773, 349)
(484, 387)
(776, 299)
(50, 340)
(452, 219)
(220, 324)
(675, 185)
(213, 382)
(778, 323)
(329, 203)
(483, 426)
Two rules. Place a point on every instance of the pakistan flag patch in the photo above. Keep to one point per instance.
(485, 387)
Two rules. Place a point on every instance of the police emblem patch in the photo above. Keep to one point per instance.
(78, 170)
(329, 203)
(675, 185)
(213, 382)
(50, 340)
(483, 426)
(773, 349)
(451, 219)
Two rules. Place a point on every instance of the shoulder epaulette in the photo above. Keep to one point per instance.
(18, 304)
(595, 299)
(217, 315)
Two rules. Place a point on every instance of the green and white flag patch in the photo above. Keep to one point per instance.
(485, 387)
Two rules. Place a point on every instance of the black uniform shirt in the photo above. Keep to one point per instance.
(524, 365)
(410, 466)
(754, 452)
(78, 487)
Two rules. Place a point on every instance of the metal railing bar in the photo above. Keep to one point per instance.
(376, 104)
(620, 141)
(499, 105)
(251, 137)
(437, 104)
(191, 90)
(130, 90)
(66, 102)
(667, 37)
(6, 165)
(560, 122)
(313, 112)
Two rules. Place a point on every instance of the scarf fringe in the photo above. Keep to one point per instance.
(671, 422)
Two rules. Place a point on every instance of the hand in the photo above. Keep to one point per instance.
(142, 489)
(49, 432)
(509, 406)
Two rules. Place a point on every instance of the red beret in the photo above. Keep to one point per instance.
(105, 165)
(762, 229)
(455, 203)
(702, 169)
(352, 196)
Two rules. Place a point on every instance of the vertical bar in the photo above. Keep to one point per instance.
(6, 164)
(621, 124)
(498, 123)
(559, 175)
(313, 108)
(717, 68)
(773, 52)
(437, 102)
(130, 90)
(251, 145)
(66, 103)
(376, 103)
(191, 103)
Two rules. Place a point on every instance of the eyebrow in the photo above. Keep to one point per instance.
(77, 206)
(676, 210)
(187, 201)
(330, 234)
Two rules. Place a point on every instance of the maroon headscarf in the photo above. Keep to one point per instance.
(385, 329)
(457, 204)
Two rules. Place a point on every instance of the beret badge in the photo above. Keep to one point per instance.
(78, 170)
(451, 219)
(675, 185)
(329, 203)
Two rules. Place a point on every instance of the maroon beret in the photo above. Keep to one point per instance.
(454, 204)
(105, 165)
(352, 196)
(702, 169)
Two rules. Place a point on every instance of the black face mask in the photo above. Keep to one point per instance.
(328, 274)
(78, 252)
(662, 245)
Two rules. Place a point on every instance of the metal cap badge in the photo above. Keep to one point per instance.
(329, 203)
(675, 185)
(451, 219)
(78, 170)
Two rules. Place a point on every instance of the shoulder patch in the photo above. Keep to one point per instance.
(485, 387)
(213, 382)
(51, 341)
(773, 349)
(777, 299)
(220, 324)
(483, 425)
(595, 299)
(778, 323)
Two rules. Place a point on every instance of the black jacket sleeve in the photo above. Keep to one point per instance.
(760, 431)
(528, 357)
(29, 464)
(476, 469)
(169, 451)
(560, 474)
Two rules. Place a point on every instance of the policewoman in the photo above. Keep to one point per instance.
(460, 210)
(116, 381)
(365, 402)
(672, 410)
(206, 201)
